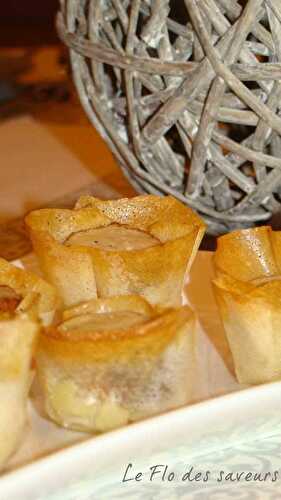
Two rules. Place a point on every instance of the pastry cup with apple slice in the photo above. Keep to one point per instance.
(26, 301)
(140, 246)
(248, 292)
(114, 361)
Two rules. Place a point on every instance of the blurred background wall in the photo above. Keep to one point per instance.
(28, 21)
(24, 10)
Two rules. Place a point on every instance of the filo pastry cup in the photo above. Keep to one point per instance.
(114, 361)
(25, 301)
(142, 246)
(248, 292)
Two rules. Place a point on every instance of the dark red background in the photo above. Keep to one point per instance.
(27, 22)
(21, 11)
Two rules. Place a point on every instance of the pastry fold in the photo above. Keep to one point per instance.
(81, 273)
(37, 297)
(95, 378)
(18, 335)
(248, 292)
(26, 302)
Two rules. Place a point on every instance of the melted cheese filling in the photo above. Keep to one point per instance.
(113, 237)
(103, 322)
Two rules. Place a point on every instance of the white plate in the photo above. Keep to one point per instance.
(210, 435)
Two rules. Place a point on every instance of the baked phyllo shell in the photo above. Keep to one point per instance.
(248, 290)
(248, 254)
(82, 272)
(37, 297)
(26, 302)
(98, 380)
(18, 334)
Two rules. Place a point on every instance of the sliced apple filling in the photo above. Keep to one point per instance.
(113, 237)
(68, 403)
(102, 322)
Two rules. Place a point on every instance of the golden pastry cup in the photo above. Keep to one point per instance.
(248, 292)
(82, 273)
(95, 381)
(25, 302)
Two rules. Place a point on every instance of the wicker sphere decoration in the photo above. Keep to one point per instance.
(187, 94)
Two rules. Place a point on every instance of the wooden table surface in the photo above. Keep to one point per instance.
(63, 117)
(48, 148)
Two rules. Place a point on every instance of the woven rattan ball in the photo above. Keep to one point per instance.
(187, 94)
